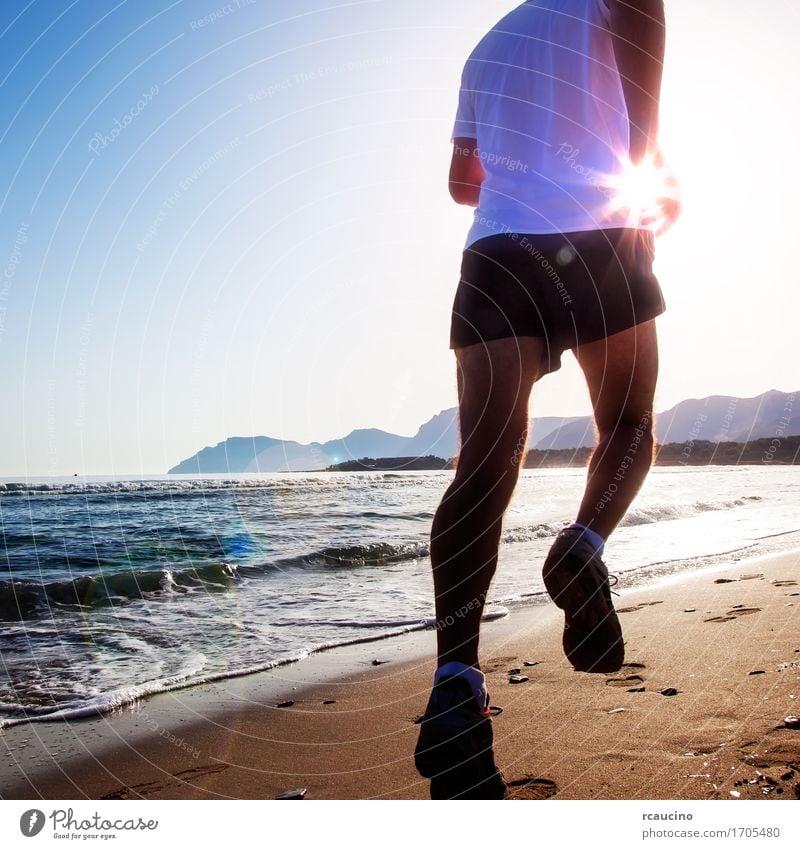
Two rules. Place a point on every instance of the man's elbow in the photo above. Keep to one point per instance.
(464, 193)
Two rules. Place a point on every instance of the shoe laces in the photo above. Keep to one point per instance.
(613, 580)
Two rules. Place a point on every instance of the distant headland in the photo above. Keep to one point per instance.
(759, 452)
(717, 430)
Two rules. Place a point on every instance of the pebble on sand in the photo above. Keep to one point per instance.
(378, 662)
(669, 691)
(518, 679)
(792, 722)
(531, 663)
(298, 793)
(757, 672)
(287, 703)
(329, 702)
(515, 671)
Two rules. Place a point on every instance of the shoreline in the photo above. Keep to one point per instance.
(631, 579)
(229, 740)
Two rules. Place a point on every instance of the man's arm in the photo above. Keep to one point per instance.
(466, 172)
(638, 28)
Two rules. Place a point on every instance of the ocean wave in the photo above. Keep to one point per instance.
(372, 514)
(531, 533)
(197, 486)
(190, 677)
(636, 516)
(496, 611)
(25, 599)
(670, 512)
(372, 554)
(277, 485)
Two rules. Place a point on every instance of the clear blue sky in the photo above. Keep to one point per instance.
(233, 219)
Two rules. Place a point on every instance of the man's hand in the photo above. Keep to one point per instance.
(669, 209)
(668, 204)
(648, 193)
(466, 172)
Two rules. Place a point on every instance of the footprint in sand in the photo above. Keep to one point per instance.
(627, 681)
(735, 613)
(531, 787)
(137, 791)
(630, 682)
(496, 663)
(639, 606)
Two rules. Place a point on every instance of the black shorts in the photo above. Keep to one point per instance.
(566, 288)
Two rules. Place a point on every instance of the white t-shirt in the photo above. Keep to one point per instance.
(542, 95)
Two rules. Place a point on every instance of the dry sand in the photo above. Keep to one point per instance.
(727, 639)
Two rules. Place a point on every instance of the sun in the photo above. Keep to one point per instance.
(647, 192)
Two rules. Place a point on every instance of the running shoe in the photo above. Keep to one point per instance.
(578, 582)
(454, 749)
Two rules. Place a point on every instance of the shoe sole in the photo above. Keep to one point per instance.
(461, 784)
(587, 615)
(439, 751)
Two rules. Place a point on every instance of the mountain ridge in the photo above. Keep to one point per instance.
(716, 418)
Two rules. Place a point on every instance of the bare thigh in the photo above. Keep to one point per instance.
(494, 384)
(621, 373)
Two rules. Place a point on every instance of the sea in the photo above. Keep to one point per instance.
(113, 589)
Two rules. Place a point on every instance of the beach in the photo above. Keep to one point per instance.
(698, 712)
(293, 297)
(112, 590)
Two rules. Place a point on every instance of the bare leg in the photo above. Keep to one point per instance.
(621, 373)
(494, 382)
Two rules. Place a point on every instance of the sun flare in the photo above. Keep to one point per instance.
(642, 191)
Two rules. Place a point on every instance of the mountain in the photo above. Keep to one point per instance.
(718, 418)
(437, 436)
(253, 454)
(572, 433)
(543, 427)
(365, 443)
(723, 418)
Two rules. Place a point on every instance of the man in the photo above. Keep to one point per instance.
(557, 113)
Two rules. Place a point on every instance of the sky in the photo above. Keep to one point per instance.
(232, 220)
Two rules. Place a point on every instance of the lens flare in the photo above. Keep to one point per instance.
(643, 191)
